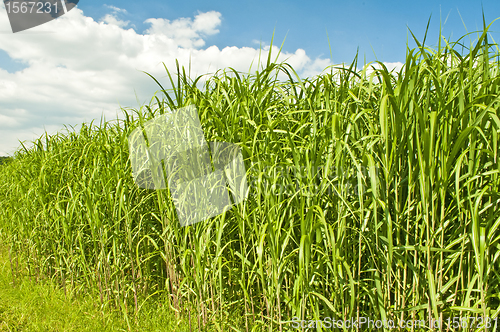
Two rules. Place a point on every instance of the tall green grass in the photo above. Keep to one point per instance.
(373, 194)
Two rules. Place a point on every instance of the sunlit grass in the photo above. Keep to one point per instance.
(27, 305)
(373, 194)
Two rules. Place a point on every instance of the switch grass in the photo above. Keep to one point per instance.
(372, 194)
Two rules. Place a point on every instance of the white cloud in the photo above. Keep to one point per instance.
(316, 67)
(394, 67)
(185, 32)
(87, 68)
(116, 9)
(13, 120)
(113, 20)
(207, 23)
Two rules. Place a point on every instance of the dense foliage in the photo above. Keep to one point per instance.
(373, 194)
(3, 160)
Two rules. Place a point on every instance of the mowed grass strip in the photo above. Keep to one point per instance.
(30, 305)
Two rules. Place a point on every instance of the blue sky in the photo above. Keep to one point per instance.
(88, 62)
(381, 25)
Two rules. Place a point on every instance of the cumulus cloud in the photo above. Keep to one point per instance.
(185, 32)
(112, 19)
(315, 67)
(86, 69)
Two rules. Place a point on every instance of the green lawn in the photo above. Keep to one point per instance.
(30, 306)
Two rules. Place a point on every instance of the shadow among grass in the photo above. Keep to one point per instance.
(4, 160)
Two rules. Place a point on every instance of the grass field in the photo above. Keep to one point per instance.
(372, 194)
(28, 305)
